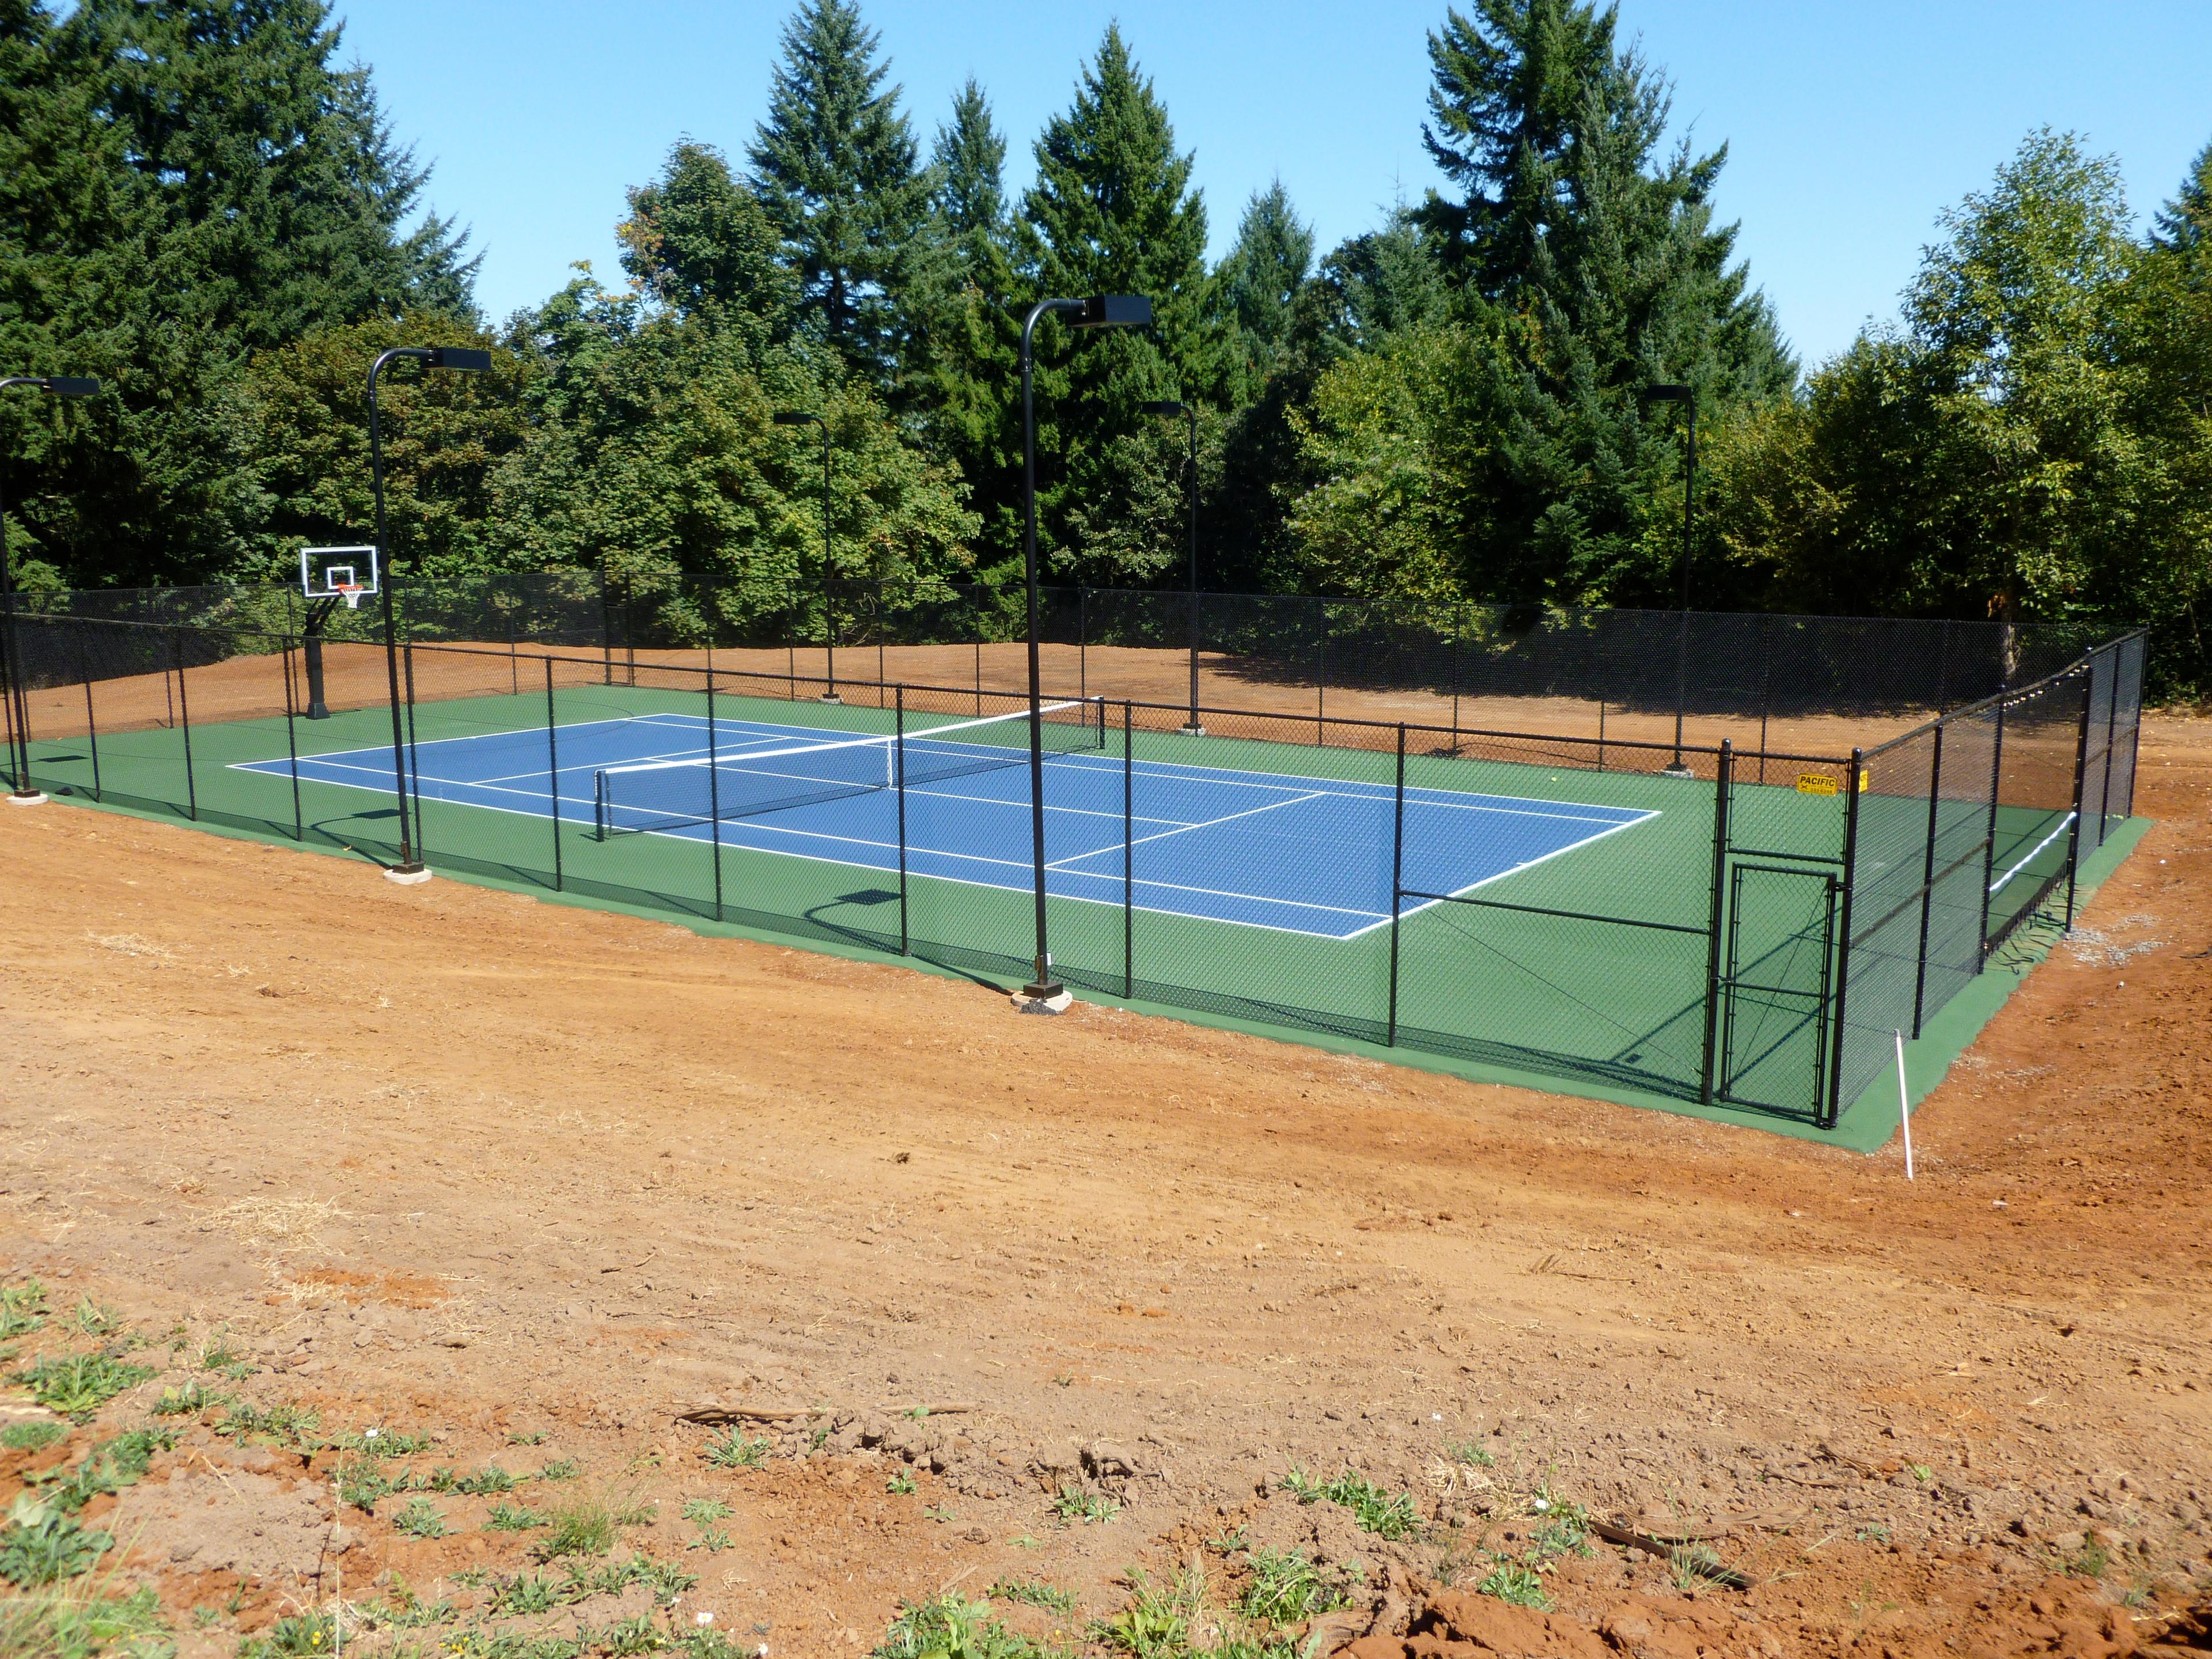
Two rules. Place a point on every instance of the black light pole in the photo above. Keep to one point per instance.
(410, 868)
(796, 417)
(1688, 396)
(1190, 411)
(11, 657)
(1099, 311)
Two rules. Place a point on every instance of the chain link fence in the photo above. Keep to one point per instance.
(1575, 893)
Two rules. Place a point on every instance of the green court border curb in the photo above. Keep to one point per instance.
(1866, 1125)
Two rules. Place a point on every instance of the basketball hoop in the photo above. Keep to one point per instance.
(350, 593)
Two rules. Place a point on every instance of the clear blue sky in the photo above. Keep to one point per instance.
(1849, 125)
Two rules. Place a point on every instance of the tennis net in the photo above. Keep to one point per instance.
(670, 794)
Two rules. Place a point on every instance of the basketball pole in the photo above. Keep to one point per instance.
(410, 869)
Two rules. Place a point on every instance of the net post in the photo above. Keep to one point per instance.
(1928, 877)
(553, 773)
(1990, 838)
(898, 776)
(714, 787)
(1128, 856)
(1723, 780)
(185, 720)
(1397, 880)
(2081, 778)
(92, 725)
(1843, 981)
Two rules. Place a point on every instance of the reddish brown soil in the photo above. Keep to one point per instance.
(944, 678)
(450, 1160)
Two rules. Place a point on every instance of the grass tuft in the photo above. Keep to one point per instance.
(514, 1517)
(22, 1309)
(34, 1435)
(734, 1450)
(1074, 1504)
(420, 1519)
(1387, 1515)
(76, 1385)
(951, 1627)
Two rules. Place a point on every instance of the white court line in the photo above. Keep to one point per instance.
(959, 881)
(1205, 823)
(1209, 775)
(1572, 845)
(2063, 825)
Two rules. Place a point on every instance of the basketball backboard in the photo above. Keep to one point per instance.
(337, 573)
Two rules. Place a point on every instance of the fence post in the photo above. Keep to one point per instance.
(553, 771)
(413, 751)
(184, 718)
(1844, 938)
(1459, 632)
(1321, 682)
(291, 741)
(714, 790)
(1989, 840)
(1928, 875)
(2112, 725)
(92, 725)
(898, 777)
(1722, 783)
(1128, 858)
(2081, 775)
(1397, 880)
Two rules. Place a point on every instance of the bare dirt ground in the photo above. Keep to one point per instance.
(355, 677)
(659, 1224)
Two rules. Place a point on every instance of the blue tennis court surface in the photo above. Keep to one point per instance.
(1300, 854)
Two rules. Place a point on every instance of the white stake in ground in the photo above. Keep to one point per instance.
(1904, 1104)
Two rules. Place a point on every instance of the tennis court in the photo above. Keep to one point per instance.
(1304, 855)
(1743, 928)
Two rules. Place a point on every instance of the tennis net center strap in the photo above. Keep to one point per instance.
(669, 795)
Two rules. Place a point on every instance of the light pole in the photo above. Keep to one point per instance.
(1189, 412)
(11, 656)
(1099, 311)
(410, 869)
(798, 417)
(1688, 396)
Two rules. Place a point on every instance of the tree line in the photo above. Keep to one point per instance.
(205, 206)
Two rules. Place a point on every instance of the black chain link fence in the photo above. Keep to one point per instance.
(1742, 915)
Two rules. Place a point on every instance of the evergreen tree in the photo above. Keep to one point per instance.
(836, 165)
(1258, 285)
(965, 329)
(199, 183)
(1111, 212)
(1580, 268)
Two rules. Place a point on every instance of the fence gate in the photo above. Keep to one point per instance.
(1776, 983)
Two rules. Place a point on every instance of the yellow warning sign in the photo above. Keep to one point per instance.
(1815, 783)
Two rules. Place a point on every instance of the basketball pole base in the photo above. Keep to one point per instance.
(408, 875)
(27, 797)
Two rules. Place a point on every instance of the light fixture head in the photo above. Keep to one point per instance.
(71, 386)
(793, 417)
(1670, 392)
(461, 357)
(1168, 407)
(1114, 311)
